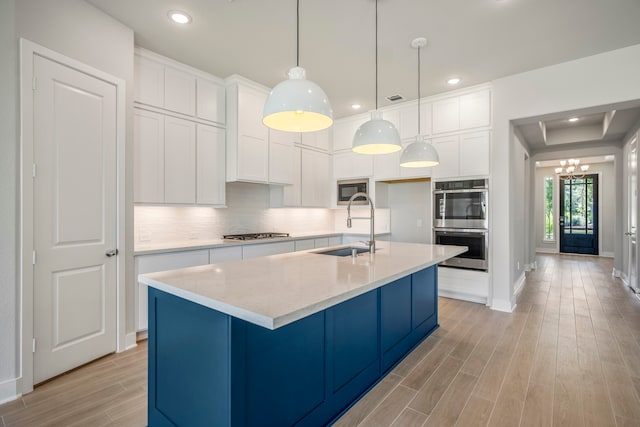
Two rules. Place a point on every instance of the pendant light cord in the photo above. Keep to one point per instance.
(418, 90)
(376, 55)
(298, 33)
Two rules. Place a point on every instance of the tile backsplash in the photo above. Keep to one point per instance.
(247, 211)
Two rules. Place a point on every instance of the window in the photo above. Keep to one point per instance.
(548, 208)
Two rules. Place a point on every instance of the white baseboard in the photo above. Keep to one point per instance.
(607, 254)
(130, 341)
(462, 296)
(547, 250)
(502, 305)
(9, 390)
(519, 286)
(617, 273)
(532, 266)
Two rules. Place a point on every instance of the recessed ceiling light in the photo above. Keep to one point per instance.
(356, 106)
(454, 81)
(179, 17)
(573, 119)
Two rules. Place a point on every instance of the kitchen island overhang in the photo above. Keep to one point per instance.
(291, 339)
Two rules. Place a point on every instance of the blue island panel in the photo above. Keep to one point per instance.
(209, 369)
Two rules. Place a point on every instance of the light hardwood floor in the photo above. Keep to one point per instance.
(568, 356)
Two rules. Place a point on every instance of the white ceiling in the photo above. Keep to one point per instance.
(477, 40)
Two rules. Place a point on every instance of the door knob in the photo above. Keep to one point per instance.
(630, 233)
(112, 252)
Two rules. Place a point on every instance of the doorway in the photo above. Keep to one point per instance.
(72, 213)
(578, 222)
(631, 232)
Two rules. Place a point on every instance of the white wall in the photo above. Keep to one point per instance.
(78, 30)
(608, 78)
(9, 220)
(409, 203)
(518, 219)
(607, 202)
(624, 268)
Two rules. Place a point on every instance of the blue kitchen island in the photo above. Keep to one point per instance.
(291, 339)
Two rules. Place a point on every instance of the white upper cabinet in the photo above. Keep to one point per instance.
(314, 179)
(292, 193)
(344, 131)
(387, 166)
(475, 109)
(475, 153)
(463, 155)
(210, 101)
(319, 140)
(179, 161)
(352, 165)
(210, 165)
(448, 151)
(281, 163)
(177, 88)
(247, 137)
(148, 147)
(446, 115)
(149, 81)
(408, 127)
(179, 91)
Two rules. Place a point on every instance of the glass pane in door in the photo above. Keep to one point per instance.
(579, 204)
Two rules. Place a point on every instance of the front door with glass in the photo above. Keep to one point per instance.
(579, 215)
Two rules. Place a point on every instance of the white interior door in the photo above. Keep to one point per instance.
(74, 128)
(633, 215)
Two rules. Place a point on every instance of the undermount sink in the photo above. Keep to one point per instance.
(343, 251)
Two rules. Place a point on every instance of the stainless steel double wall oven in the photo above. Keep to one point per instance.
(460, 218)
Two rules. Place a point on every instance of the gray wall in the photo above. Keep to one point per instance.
(408, 203)
(9, 224)
(80, 31)
(608, 204)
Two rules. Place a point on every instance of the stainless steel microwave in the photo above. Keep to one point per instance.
(349, 187)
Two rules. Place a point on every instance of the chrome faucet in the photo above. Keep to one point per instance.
(371, 242)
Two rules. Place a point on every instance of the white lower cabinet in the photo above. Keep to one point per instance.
(304, 244)
(218, 255)
(161, 262)
(264, 249)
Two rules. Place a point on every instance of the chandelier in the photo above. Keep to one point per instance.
(567, 169)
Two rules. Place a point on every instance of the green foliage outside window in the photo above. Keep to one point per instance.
(548, 208)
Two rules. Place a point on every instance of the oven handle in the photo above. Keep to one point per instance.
(466, 190)
(462, 230)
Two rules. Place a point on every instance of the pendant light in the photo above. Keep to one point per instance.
(419, 154)
(377, 136)
(297, 104)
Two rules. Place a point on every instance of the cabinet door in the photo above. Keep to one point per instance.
(161, 262)
(474, 153)
(475, 109)
(352, 165)
(281, 163)
(305, 244)
(179, 91)
(447, 148)
(218, 255)
(446, 115)
(149, 82)
(210, 101)
(180, 161)
(314, 179)
(210, 165)
(264, 249)
(253, 136)
(344, 131)
(293, 192)
(148, 158)
(321, 242)
(409, 120)
(387, 166)
(415, 172)
(319, 139)
(395, 320)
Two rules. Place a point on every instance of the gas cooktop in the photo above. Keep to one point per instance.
(254, 236)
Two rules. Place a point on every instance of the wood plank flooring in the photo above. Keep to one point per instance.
(569, 355)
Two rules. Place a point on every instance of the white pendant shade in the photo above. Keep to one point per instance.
(297, 105)
(419, 154)
(376, 136)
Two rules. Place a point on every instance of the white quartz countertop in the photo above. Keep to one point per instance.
(147, 248)
(276, 290)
